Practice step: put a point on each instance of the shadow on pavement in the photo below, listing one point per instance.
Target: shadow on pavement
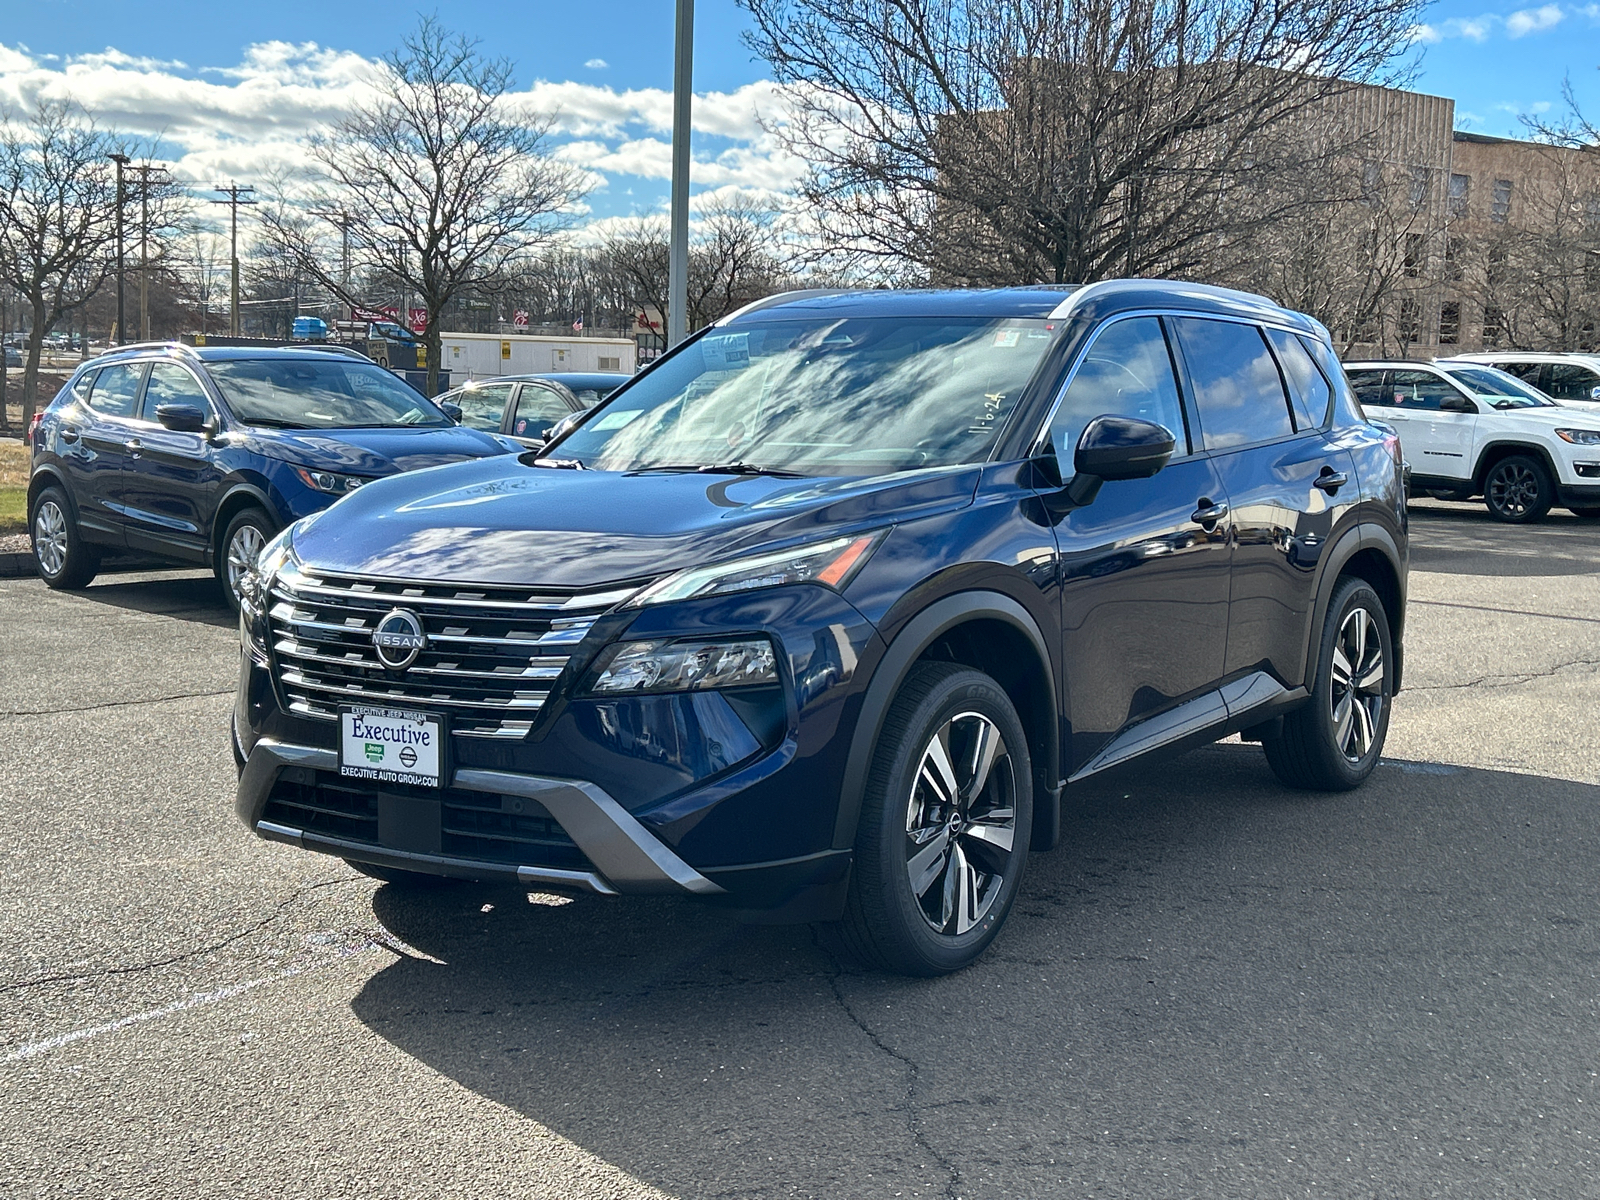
(185, 595)
(1463, 539)
(1214, 986)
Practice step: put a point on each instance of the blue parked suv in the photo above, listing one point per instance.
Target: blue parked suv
(200, 455)
(822, 615)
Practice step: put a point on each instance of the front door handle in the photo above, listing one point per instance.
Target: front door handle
(1331, 481)
(1207, 514)
(134, 447)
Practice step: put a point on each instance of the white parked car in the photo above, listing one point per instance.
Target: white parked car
(1569, 378)
(1523, 453)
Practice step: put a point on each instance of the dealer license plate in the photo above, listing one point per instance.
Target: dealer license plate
(390, 745)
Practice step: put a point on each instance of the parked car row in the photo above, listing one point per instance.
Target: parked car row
(1470, 427)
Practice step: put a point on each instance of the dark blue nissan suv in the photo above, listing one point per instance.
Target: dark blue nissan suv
(821, 616)
(200, 455)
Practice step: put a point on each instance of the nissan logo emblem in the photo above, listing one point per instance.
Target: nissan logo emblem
(398, 639)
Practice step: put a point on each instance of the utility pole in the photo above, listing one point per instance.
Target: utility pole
(121, 160)
(146, 171)
(237, 195)
(678, 246)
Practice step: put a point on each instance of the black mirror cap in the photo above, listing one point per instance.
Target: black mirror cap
(181, 418)
(1458, 404)
(1114, 448)
(451, 410)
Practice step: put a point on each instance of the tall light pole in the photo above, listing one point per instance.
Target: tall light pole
(678, 244)
(237, 195)
(121, 160)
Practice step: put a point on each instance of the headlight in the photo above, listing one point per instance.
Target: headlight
(832, 563)
(668, 666)
(327, 481)
(257, 580)
(1580, 437)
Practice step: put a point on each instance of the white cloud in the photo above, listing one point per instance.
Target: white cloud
(597, 64)
(1534, 20)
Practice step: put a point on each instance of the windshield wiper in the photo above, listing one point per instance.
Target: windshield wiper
(732, 468)
(277, 423)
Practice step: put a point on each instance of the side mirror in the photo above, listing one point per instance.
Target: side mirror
(451, 410)
(562, 427)
(1594, 393)
(1457, 404)
(181, 418)
(1115, 448)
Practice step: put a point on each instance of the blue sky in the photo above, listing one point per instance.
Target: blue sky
(233, 97)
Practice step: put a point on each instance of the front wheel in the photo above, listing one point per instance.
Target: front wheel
(1518, 490)
(64, 559)
(242, 542)
(1333, 741)
(945, 822)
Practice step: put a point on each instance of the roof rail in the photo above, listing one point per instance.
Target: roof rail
(782, 298)
(174, 345)
(328, 348)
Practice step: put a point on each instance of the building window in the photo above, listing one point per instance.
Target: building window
(1500, 207)
(1591, 272)
(1494, 325)
(1449, 323)
(1371, 182)
(1416, 255)
(1591, 211)
(1366, 329)
(1452, 259)
(1410, 320)
(1460, 187)
(1421, 185)
(1496, 273)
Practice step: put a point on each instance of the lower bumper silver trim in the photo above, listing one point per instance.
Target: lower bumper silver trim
(627, 856)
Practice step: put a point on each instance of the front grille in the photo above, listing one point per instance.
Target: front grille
(493, 653)
(479, 826)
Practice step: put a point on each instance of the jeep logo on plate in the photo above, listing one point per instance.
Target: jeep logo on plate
(398, 639)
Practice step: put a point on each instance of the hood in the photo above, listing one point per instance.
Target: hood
(500, 521)
(371, 452)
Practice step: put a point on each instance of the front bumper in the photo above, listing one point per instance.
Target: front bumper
(625, 856)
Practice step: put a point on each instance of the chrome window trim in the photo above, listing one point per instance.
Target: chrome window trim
(1043, 432)
(185, 367)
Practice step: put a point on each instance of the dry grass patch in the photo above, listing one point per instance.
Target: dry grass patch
(13, 486)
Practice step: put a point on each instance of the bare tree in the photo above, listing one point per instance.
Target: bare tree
(57, 218)
(1009, 141)
(435, 183)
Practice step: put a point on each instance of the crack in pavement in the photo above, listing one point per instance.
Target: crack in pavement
(1499, 681)
(913, 1074)
(110, 972)
(46, 712)
(1509, 612)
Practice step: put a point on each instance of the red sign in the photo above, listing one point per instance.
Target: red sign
(519, 319)
(419, 320)
(374, 314)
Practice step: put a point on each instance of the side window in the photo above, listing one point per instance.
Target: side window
(1369, 389)
(482, 407)
(116, 389)
(1526, 371)
(169, 384)
(80, 387)
(1568, 381)
(538, 408)
(1126, 372)
(1237, 386)
(1308, 390)
(1420, 390)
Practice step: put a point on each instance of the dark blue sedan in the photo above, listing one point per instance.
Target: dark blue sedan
(199, 455)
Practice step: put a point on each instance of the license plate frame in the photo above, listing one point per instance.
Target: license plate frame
(376, 742)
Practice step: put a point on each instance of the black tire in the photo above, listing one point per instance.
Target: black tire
(411, 880)
(63, 558)
(1587, 512)
(886, 925)
(249, 526)
(1518, 490)
(1311, 751)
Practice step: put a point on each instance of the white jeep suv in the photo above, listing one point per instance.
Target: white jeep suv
(1468, 431)
(1569, 378)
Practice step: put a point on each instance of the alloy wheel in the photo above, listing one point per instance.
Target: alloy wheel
(243, 550)
(50, 537)
(961, 823)
(1513, 489)
(1356, 691)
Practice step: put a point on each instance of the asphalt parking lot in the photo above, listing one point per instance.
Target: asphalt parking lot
(1214, 988)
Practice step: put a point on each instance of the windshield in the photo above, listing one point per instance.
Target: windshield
(1504, 390)
(819, 396)
(320, 393)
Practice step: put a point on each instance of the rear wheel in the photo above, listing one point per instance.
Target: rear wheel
(64, 559)
(943, 837)
(1518, 490)
(1333, 742)
(247, 533)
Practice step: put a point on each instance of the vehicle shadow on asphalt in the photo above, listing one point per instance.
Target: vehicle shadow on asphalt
(186, 595)
(1461, 539)
(1212, 973)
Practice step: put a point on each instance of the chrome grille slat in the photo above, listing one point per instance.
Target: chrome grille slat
(491, 658)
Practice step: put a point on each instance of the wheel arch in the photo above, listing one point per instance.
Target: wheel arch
(1368, 552)
(993, 633)
(1495, 451)
(240, 496)
(45, 476)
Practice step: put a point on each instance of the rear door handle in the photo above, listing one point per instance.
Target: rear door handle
(1331, 481)
(1208, 514)
(69, 433)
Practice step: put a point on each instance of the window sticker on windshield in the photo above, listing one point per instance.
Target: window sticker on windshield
(617, 418)
(726, 350)
(1007, 337)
